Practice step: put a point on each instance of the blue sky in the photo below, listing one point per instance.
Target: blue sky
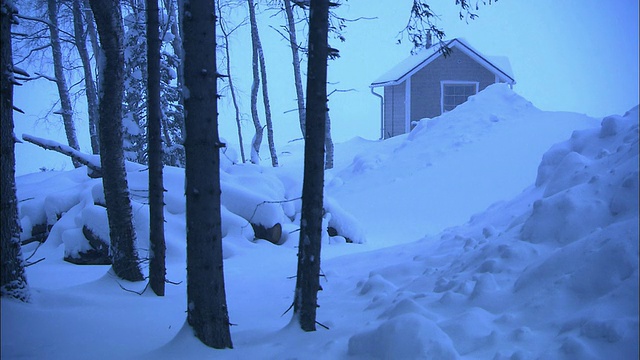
(566, 57)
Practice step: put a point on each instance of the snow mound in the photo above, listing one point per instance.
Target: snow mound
(407, 336)
(552, 273)
(62, 206)
(452, 166)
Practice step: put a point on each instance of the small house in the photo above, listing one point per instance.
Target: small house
(429, 83)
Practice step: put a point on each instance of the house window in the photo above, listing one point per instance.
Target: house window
(454, 93)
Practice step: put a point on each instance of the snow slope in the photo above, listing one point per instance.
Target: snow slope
(548, 272)
(453, 166)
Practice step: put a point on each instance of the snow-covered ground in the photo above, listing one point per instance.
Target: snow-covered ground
(494, 231)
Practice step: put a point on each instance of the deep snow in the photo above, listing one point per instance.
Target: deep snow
(550, 270)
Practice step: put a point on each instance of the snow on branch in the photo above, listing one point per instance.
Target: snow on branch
(90, 161)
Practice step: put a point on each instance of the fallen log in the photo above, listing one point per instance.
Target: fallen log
(92, 162)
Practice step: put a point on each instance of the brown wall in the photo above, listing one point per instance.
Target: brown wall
(425, 84)
(425, 89)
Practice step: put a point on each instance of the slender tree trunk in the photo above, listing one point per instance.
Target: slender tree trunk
(61, 81)
(121, 231)
(255, 37)
(232, 89)
(328, 144)
(257, 138)
(308, 277)
(207, 305)
(13, 282)
(95, 45)
(157, 245)
(90, 86)
(297, 75)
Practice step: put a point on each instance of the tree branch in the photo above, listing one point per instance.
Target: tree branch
(89, 161)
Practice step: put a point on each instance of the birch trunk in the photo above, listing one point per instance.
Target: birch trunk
(257, 138)
(80, 36)
(95, 44)
(232, 89)
(295, 53)
(61, 81)
(255, 37)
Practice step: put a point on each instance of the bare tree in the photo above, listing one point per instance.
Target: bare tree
(13, 282)
(257, 45)
(60, 78)
(295, 55)
(108, 18)
(157, 247)
(226, 33)
(207, 305)
(308, 275)
(80, 37)
(256, 142)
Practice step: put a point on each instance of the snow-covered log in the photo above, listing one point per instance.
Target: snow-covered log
(90, 161)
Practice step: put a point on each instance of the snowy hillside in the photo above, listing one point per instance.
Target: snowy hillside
(550, 270)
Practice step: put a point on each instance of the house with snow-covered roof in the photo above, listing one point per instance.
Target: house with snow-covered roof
(429, 83)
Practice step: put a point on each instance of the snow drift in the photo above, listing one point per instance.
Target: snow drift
(548, 272)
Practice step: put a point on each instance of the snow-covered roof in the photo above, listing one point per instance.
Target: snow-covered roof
(499, 65)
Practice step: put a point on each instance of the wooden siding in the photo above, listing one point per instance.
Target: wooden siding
(394, 110)
(425, 84)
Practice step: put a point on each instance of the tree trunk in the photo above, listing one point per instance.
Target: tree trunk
(157, 245)
(328, 144)
(13, 282)
(308, 276)
(122, 233)
(297, 75)
(61, 81)
(255, 37)
(257, 138)
(232, 88)
(80, 37)
(207, 305)
(95, 46)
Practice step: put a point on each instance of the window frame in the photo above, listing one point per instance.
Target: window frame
(443, 83)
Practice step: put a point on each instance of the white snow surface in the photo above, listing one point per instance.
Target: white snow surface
(496, 231)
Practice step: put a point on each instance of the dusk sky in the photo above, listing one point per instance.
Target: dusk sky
(565, 57)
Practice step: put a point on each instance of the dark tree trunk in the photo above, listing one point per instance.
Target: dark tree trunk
(295, 53)
(61, 81)
(157, 245)
(308, 277)
(110, 29)
(80, 36)
(13, 282)
(207, 305)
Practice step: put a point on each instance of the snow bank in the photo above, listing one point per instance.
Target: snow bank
(450, 167)
(251, 196)
(555, 278)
